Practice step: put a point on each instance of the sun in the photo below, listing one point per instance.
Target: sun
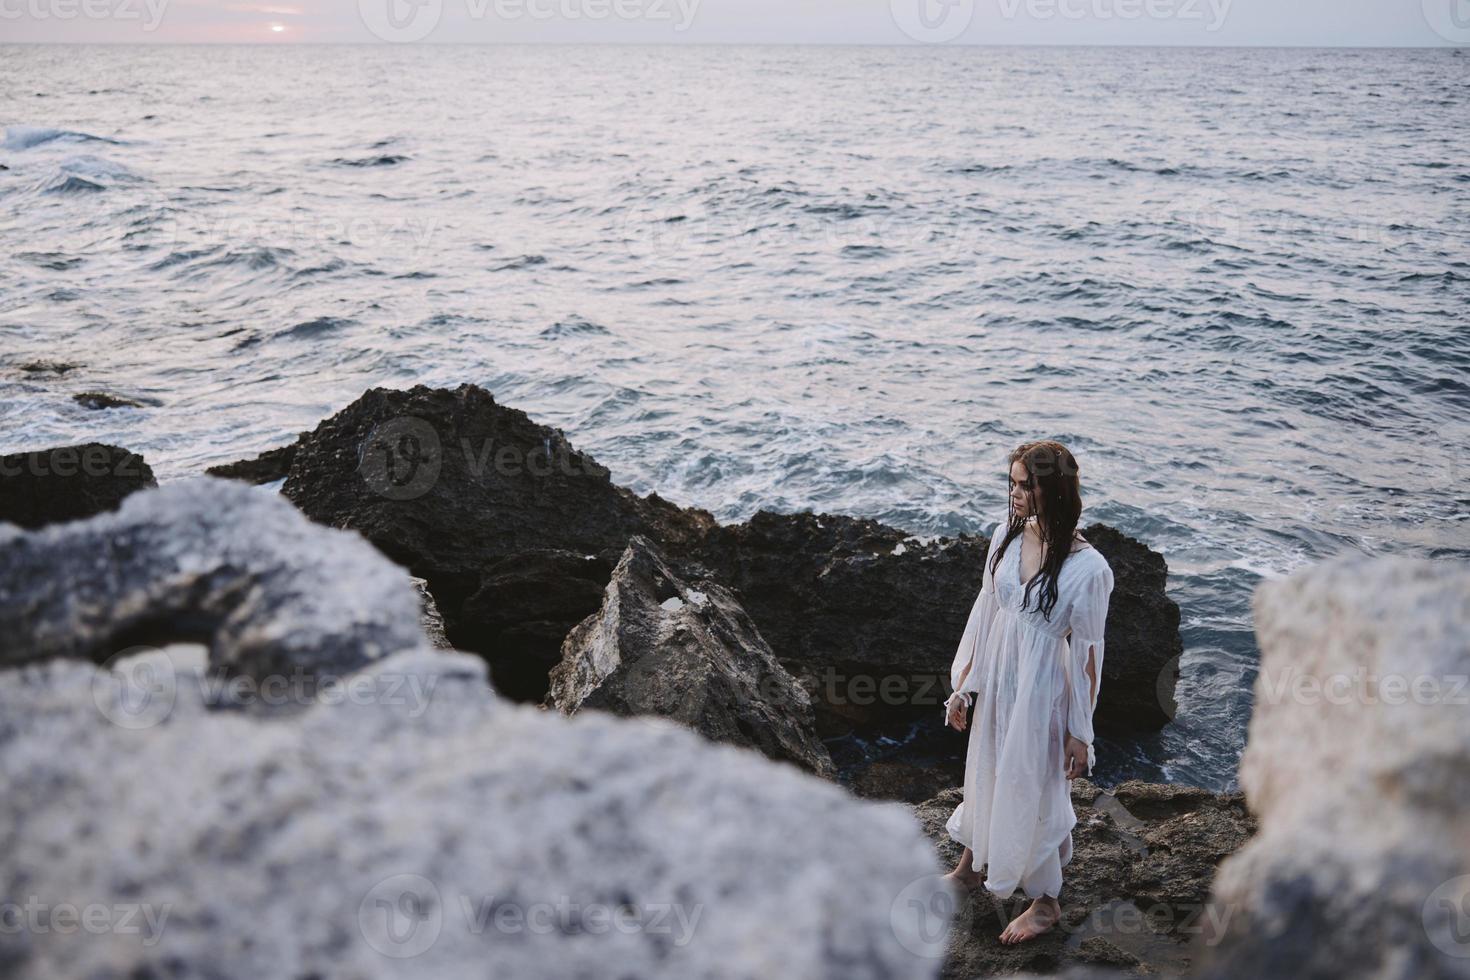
(277, 28)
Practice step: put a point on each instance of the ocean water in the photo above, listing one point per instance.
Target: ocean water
(1235, 282)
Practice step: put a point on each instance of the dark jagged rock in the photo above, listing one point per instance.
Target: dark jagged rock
(1141, 665)
(522, 611)
(900, 779)
(686, 651)
(869, 618)
(68, 483)
(1134, 896)
(98, 400)
(450, 484)
(515, 531)
(47, 367)
(269, 466)
(203, 560)
(866, 617)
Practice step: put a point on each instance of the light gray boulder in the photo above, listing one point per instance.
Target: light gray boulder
(687, 651)
(1358, 767)
(423, 827)
(203, 560)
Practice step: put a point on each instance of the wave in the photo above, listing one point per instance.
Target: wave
(26, 137)
(317, 327)
(72, 184)
(381, 160)
(575, 327)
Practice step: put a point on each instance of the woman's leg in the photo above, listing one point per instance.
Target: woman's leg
(965, 873)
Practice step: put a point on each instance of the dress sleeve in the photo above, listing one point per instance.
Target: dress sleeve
(1088, 622)
(976, 629)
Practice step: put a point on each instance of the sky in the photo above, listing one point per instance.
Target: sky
(919, 22)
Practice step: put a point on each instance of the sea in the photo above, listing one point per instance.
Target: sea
(1234, 281)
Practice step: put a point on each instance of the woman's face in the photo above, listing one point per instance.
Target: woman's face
(1023, 491)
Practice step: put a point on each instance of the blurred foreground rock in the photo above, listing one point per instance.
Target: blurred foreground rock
(203, 560)
(421, 826)
(403, 821)
(1358, 767)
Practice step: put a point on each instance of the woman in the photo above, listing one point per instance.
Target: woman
(1031, 656)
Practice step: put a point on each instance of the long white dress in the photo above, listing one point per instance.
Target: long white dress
(1030, 685)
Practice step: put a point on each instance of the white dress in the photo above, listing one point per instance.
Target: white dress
(1030, 685)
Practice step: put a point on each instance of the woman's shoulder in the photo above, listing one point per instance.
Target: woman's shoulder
(1088, 559)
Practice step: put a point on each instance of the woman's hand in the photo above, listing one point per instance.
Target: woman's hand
(1076, 757)
(958, 712)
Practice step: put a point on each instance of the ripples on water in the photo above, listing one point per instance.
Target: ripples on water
(1233, 281)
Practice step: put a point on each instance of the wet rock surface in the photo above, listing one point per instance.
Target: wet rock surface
(1134, 896)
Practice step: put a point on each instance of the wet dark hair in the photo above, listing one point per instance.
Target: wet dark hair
(1052, 470)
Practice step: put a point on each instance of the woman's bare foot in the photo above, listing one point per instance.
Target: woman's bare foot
(964, 873)
(968, 880)
(1041, 916)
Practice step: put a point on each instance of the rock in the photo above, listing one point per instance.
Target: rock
(203, 560)
(68, 483)
(869, 618)
(1134, 895)
(686, 651)
(863, 615)
(515, 532)
(98, 400)
(454, 834)
(429, 618)
(48, 367)
(523, 610)
(1357, 764)
(450, 483)
(906, 780)
(269, 466)
(1141, 665)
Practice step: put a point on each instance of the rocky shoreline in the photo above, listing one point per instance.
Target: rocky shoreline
(439, 540)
